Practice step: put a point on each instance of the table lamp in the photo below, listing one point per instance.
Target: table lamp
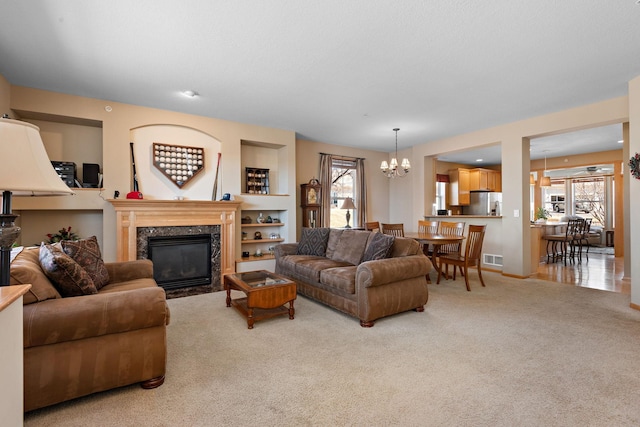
(25, 170)
(348, 204)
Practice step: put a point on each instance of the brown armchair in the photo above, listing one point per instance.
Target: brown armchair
(75, 346)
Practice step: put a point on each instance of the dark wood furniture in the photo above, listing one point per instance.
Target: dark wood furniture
(311, 204)
(266, 294)
(561, 246)
(257, 180)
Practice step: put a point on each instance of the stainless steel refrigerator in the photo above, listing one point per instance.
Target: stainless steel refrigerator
(484, 203)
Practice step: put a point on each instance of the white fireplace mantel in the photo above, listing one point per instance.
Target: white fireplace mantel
(132, 214)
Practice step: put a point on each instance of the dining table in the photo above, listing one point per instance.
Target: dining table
(435, 240)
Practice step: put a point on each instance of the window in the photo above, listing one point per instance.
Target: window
(343, 179)
(441, 192)
(442, 182)
(590, 199)
(554, 198)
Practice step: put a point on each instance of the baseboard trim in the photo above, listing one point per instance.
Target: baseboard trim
(515, 276)
(634, 306)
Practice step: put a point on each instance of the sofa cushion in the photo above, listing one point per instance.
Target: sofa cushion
(332, 243)
(405, 246)
(311, 266)
(86, 252)
(26, 269)
(341, 278)
(313, 241)
(379, 247)
(351, 246)
(67, 275)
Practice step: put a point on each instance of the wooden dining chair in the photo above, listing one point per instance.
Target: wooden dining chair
(396, 230)
(372, 226)
(471, 257)
(451, 228)
(428, 227)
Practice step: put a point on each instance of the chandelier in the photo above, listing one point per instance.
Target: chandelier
(391, 170)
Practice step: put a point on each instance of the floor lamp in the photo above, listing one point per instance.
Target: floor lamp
(348, 204)
(25, 170)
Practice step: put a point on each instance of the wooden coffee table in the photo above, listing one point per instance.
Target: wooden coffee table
(266, 294)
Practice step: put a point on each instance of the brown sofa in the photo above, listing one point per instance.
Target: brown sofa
(76, 346)
(345, 278)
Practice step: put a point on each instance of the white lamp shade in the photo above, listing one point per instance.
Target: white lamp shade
(348, 204)
(406, 164)
(25, 168)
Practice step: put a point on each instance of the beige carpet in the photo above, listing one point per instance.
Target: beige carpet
(519, 352)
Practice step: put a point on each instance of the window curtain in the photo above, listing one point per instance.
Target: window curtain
(360, 194)
(325, 181)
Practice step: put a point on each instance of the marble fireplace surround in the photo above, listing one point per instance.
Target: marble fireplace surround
(132, 214)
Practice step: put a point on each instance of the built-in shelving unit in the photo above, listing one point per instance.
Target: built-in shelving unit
(73, 140)
(271, 234)
(265, 183)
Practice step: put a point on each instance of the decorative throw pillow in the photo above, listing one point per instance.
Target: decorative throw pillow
(351, 246)
(86, 252)
(379, 247)
(67, 276)
(313, 241)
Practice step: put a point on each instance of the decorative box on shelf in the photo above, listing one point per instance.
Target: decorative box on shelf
(257, 180)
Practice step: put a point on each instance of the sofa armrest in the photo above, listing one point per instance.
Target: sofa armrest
(285, 249)
(129, 270)
(76, 318)
(389, 270)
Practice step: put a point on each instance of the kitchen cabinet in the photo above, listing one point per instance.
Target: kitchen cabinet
(485, 180)
(459, 187)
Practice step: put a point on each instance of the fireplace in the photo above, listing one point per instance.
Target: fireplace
(184, 256)
(181, 261)
(134, 215)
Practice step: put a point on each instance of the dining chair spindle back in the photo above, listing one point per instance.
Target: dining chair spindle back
(396, 230)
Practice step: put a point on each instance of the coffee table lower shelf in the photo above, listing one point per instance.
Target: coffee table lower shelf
(254, 314)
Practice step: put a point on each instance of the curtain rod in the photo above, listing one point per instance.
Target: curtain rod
(343, 157)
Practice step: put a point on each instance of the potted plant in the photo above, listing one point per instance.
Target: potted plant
(541, 214)
(63, 234)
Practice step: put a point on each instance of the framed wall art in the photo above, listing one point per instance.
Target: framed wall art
(180, 164)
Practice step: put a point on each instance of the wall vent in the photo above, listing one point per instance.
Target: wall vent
(490, 259)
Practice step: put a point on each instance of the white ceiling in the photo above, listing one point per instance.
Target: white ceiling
(335, 71)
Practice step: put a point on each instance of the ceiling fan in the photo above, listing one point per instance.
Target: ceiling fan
(593, 170)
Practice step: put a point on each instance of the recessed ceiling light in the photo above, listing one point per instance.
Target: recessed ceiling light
(479, 160)
(190, 93)
(622, 140)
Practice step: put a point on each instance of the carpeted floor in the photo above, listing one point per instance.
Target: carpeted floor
(518, 352)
